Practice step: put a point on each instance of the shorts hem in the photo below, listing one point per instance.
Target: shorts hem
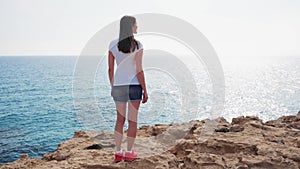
(135, 100)
(121, 101)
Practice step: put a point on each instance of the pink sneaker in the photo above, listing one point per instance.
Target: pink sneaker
(130, 156)
(118, 157)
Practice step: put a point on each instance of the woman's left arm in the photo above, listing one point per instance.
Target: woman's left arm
(111, 64)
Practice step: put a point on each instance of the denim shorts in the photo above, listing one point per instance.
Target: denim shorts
(127, 93)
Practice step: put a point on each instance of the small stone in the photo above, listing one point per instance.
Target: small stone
(222, 129)
(94, 146)
(277, 141)
(24, 156)
(80, 133)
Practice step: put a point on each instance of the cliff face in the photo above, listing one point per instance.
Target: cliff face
(244, 143)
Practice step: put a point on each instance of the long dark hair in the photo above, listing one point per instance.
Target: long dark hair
(127, 43)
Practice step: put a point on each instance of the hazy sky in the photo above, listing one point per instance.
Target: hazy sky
(234, 27)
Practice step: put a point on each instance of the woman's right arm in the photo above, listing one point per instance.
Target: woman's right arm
(140, 74)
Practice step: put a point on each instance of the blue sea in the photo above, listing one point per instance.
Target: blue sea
(37, 106)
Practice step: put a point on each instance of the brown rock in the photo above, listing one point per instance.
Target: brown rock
(159, 129)
(291, 121)
(236, 128)
(78, 134)
(295, 125)
(243, 120)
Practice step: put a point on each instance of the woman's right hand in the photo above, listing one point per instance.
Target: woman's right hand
(145, 97)
(111, 92)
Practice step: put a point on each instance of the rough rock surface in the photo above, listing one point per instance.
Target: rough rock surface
(244, 143)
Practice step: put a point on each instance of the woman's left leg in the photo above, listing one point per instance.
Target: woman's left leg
(133, 108)
(121, 116)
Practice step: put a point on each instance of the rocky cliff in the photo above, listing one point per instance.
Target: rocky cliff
(246, 142)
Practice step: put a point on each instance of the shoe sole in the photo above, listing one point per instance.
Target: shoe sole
(130, 159)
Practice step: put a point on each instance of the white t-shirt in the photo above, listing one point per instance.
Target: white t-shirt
(126, 67)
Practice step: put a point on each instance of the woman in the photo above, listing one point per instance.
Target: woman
(127, 84)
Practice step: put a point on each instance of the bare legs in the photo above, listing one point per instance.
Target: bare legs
(133, 108)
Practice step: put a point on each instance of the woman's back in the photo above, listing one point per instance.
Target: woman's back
(126, 66)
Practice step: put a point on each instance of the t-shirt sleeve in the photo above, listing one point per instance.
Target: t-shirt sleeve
(140, 46)
(111, 46)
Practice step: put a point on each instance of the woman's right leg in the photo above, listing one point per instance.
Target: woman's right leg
(121, 116)
(133, 108)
